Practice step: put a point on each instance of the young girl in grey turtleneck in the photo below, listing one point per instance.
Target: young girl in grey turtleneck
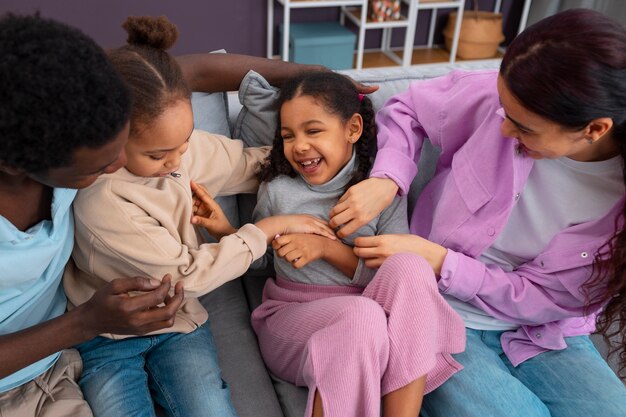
(351, 334)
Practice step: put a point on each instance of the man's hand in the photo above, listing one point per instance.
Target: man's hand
(113, 310)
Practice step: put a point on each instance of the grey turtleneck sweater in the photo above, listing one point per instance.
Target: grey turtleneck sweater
(285, 195)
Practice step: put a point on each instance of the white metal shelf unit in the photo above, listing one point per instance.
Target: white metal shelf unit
(299, 4)
(358, 16)
(410, 23)
(434, 6)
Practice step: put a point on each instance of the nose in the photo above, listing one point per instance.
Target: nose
(507, 129)
(173, 161)
(301, 144)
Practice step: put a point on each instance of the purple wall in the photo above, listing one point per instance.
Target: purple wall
(239, 26)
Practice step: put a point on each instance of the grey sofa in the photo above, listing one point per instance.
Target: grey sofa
(255, 392)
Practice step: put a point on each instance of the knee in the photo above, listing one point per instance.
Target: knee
(366, 323)
(408, 269)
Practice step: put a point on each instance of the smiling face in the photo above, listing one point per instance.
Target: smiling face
(87, 164)
(316, 143)
(155, 150)
(539, 137)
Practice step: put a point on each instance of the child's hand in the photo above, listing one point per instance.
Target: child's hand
(294, 223)
(300, 249)
(208, 214)
(306, 223)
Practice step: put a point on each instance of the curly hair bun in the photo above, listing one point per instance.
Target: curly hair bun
(155, 32)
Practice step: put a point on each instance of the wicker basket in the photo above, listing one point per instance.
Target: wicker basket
(480, 35)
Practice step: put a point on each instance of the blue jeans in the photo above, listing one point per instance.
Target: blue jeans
(180, 371)
(574, 382)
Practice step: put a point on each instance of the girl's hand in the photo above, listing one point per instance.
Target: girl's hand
(299, 249)
(361, 203)
(294, 223)
(208, 214)
(375, 249)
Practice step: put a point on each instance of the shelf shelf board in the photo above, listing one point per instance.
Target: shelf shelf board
(354, 14)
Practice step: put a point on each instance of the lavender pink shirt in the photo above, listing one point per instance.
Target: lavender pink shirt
(467, 204)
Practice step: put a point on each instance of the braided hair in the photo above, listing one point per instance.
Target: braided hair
(341, 98)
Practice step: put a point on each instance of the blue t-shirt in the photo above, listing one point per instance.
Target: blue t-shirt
(31, 268)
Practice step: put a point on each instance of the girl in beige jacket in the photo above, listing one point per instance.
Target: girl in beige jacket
(137, 221)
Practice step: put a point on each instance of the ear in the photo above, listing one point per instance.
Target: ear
(597, 128)
(354, 128)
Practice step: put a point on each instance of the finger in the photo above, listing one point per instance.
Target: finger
(340, 219)
(349, 227)
(292, 254)
(366, 89)
(285, 249)
(374, 262)
(367, 241)
(202, 221)
(202, 194)
(125, 285)
(175, 301)
(326, 231)
(367, 253)
(149, 299)
(277, 244)
(299, 262)
(339, 208)
(178, 288)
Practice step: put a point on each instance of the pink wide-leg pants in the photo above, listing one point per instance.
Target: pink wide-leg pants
(355, 345)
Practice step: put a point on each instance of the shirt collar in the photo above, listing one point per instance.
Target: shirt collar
(62, 199)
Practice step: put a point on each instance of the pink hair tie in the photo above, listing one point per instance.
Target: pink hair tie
(361, 96)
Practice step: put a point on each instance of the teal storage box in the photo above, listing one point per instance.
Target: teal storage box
(326, 43)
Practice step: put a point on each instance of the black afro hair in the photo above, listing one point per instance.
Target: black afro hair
(58, 93)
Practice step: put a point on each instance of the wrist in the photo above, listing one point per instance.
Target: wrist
(438, 257)
(268, 226)
(82, 319)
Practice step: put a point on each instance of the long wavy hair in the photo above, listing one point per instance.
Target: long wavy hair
(340, 97)
(571, 69)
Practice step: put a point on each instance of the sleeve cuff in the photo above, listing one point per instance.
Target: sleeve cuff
(395, 165)
(466, 287)
(255, 239)
(363, 275)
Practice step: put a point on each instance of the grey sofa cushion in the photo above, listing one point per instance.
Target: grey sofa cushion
(256, 122)
(242, 367)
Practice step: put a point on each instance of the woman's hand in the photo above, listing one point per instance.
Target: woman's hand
(294, 223)
(300, 249)
(375, 249)
(113, 310)
(208, 214)
(361, 203)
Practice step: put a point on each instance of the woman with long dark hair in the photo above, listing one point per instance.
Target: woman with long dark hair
(523, 222)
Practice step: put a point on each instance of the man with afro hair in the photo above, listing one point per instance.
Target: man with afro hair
(63, 122)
